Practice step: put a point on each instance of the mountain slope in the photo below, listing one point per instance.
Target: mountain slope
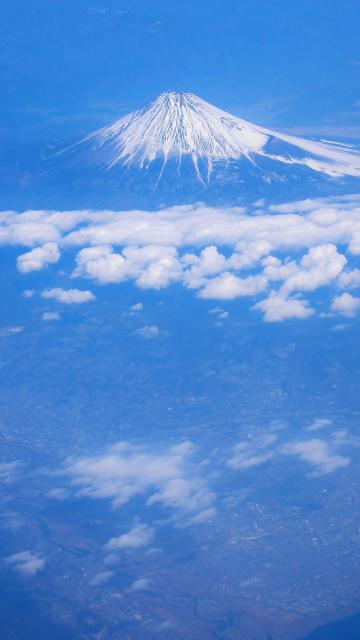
(178, 125)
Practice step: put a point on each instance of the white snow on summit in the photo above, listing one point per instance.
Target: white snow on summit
(181, 124)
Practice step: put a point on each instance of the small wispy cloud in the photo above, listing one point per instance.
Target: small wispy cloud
(11, 331)
(136, 308)
(140, 585)
(8, 470)
(318, 454)
(101, 578)
(147, 332)
(139, 536)
(170, 478)
(319, 423)
(252, 452)
(28, 293)
(50, 316)
(26, 562)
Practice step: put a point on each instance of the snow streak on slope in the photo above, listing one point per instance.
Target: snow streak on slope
(181, 124)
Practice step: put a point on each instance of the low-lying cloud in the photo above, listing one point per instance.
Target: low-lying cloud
(169, 478)
(320, 454)
(275, 258)
(139, 536)
(26, 562)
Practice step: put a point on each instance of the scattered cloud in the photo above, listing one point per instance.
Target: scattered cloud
(319, 423)
(26, 562)
(171, 478)
(140, 585)
(346, 305)
(101, 578)
(147, 332)
(68, 296)
(219, 313)
(321, 454)
(198, 268)
(59, 493)
(8, 470)
(11, 331)
(252, 452)
(318, 267)
(51, 315)
(318, 454)
(38, 258)
(340, 436)
(139, 536)
(101, 264)
(277, 308)
(28, 293)
(350, 279)
(152, 266)
(215, 311)
(227, 286)
(136, 308)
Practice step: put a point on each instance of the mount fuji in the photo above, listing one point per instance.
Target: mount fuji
(180, 148)
(180, 125)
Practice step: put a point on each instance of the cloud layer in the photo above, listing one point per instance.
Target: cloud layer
(275, 256)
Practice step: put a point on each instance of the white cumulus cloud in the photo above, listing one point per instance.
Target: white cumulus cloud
(350, 279)
(346, 304)
(317, 268)
(169, 478)
(38, 258)
(68, 296)
(222, 252)
(277, 308)
(228, 286)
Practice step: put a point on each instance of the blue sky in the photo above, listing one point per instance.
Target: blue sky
(198, 362)
(70, 67)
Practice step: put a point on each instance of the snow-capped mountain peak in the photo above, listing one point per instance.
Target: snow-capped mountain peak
(178, 124)
(175, 125)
